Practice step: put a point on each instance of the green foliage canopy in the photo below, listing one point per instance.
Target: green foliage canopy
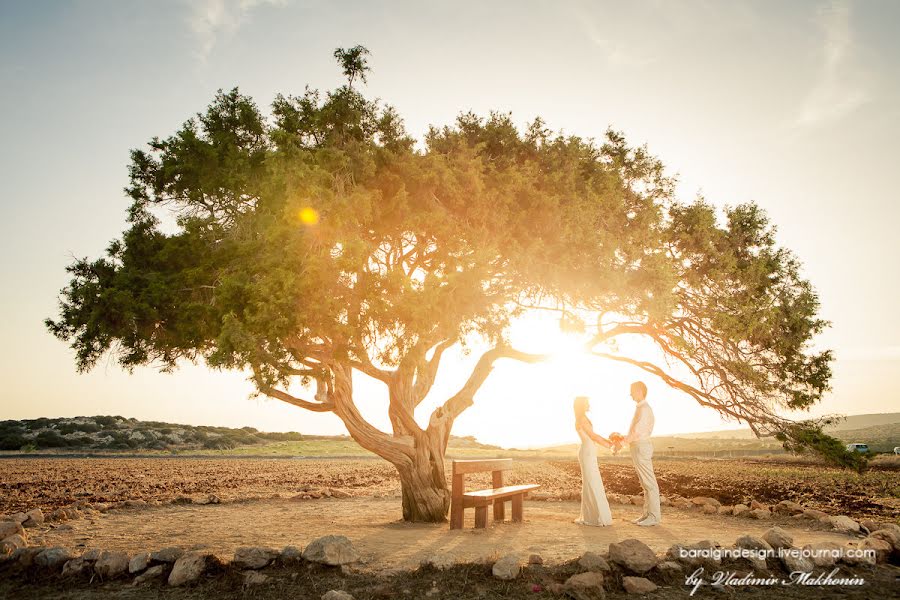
(321, 240)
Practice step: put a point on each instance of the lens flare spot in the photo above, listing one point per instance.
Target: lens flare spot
(308, 215)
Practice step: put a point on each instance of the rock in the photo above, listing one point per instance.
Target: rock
(634, 555)
(92, 555)
(759, 513)
(331, 550)
(188, 568)
(135, 504)
(111, 564)
(823, 554)
(291, 554)
(758, 563)
(34, 518)
(779, 538)
(57, 515)
(753, 543)
(76, 566)
(18, 517)
(754, 505)
(845, 524)
(507, 567)
(787, 507)
(871, 525)
(53, 558)
(154, 572)
(890, 527)
(683, 503)
(336, 595)
(794, 562)
(167, 555)
(669, 566)
(706, 555)
(881, 548)
(12, 543)
(535, 559)
(671, 571)
(25, 556)
(709, 509)
(339, 493)
(139, 562)
(253, 557)
(593, 562)
(888, 535)
(8, 528)
(183, 500)
(740, 510)
(761, 548)
(637, 500)
(584, 586)
(252, 578)
(853, 557)
(705, 501)
(638, 585)
(725, 510)
(440, 561)
(815, 515)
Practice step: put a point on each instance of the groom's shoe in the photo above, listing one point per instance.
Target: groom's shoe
(648, 522)
(639, 519)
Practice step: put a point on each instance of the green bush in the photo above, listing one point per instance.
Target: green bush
(12, 441)
(51, 439)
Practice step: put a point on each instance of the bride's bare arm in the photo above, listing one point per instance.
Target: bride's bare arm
(589, 429)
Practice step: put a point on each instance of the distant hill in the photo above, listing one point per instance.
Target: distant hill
(119, 433)
(852, 422)
(881, 431)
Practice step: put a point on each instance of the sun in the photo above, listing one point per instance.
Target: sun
(530, 405)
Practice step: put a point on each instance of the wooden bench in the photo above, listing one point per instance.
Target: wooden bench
(496, 496)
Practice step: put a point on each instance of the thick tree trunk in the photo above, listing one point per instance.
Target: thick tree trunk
(426, 498)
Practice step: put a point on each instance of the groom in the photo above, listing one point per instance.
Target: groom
(638, 440)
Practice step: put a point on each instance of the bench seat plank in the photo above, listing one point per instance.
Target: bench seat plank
(487, 496)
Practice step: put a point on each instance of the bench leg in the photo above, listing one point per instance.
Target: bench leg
(517, 508)
(480, 517)
(456, 514)
(499, 510)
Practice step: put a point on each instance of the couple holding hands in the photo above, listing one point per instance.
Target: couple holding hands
(594, 505)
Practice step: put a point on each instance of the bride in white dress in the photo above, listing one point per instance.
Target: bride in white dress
(594, 505)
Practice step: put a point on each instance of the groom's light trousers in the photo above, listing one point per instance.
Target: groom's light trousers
(642, 457)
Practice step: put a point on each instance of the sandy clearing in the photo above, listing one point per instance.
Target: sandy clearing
(386, 542)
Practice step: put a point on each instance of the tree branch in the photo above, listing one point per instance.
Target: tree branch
(443, 416)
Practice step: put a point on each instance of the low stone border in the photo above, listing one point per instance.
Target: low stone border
(628, 565)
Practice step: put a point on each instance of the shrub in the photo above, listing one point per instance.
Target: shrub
(12, 441)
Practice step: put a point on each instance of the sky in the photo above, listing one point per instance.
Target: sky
(794, 105)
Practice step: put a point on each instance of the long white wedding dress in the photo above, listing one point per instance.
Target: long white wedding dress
(594, 505)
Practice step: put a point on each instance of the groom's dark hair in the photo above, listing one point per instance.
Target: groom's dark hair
(640, 385)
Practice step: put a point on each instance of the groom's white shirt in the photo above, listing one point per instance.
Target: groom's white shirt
(641, 424)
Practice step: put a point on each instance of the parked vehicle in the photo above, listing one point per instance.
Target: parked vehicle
(861, 448)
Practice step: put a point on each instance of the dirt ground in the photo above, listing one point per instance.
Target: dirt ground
(387, 543)
(49, 483)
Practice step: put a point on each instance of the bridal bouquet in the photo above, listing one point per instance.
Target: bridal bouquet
(617, 440)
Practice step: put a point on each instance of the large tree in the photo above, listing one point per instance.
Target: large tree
(320, 241)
